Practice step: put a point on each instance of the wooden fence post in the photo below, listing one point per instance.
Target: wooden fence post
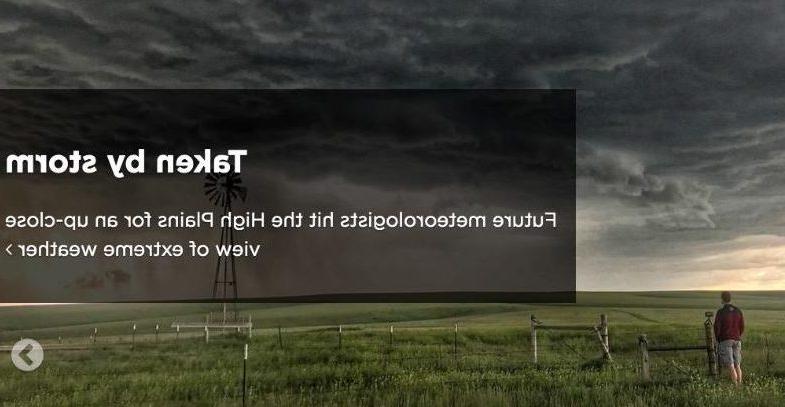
(206, 334)
(534, 338)
(95, 335)
(455, 344)
(245, 363)
(250, 327)
(391, 335)
(606, 353)
(643, 347)
(711, 344)
(133, 335)
(157, 328)
(177, 335)
(604, 335)
(340, 334)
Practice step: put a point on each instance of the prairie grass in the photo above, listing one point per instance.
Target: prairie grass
(488, 365)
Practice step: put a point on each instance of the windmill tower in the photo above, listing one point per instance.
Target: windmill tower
(222, 190)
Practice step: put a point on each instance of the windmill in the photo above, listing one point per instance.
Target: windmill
(222, 190)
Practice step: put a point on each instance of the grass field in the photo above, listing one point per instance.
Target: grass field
(491, 364)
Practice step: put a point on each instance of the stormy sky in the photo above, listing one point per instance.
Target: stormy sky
(679, 127)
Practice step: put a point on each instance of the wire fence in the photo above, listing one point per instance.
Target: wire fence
(445, 348)
(445, 340)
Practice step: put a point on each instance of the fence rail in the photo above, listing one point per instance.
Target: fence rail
(601, 330)
(710, 346)
(568, 341)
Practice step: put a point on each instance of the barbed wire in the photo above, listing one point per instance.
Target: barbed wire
(361, 339)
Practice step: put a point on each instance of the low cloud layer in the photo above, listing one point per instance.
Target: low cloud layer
(668, 203)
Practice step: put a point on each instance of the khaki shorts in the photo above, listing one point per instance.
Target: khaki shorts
(729, 352)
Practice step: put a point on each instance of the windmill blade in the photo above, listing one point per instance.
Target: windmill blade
(217, 197)
(243, 192)
(211, 187)
(222, 189)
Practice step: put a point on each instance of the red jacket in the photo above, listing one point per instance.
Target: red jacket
(729, 323)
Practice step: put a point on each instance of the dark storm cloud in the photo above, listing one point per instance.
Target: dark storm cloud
(343, 44)
(702, 108)
(680, 102)
(676, 203)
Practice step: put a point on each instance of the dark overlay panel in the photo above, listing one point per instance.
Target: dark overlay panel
(287, 196)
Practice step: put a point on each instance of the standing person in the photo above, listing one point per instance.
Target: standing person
(728, 328)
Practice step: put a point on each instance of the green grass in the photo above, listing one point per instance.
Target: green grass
(491, 367)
